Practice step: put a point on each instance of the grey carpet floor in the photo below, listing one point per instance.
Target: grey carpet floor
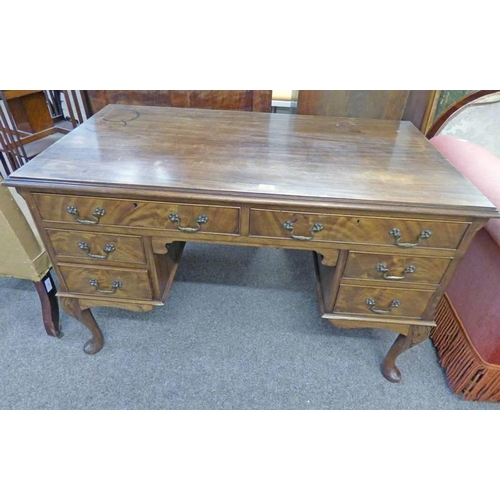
(240, 330)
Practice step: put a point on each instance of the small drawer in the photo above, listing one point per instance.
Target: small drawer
(109, 282)
(395, 268)
(404, 233)
(98, 247)
(179, 217)
(379, 302)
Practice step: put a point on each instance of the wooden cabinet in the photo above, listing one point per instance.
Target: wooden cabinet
(29, 110)
(378, 104)
(243, 100)
(420, 107)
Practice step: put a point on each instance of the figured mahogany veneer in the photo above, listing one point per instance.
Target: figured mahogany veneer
(388, 218)
(356, 229)
(134, 284)
(97, 247)
(138, 213)
(410, 303)
(400, 268)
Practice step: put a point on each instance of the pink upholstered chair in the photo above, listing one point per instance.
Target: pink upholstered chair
(467, 335)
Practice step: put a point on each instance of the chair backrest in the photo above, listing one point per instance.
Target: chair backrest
(77, 104)
(468, 134)
(474, 118)
(379, 104)
(32, 120)
(243, 100)
(69, 108)
(12, 153)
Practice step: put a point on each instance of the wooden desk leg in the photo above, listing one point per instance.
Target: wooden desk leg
(84, 316)
(47, 291)
(402, 343)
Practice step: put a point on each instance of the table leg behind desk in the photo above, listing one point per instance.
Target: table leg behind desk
(328, 277)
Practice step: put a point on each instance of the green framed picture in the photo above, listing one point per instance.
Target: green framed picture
(446, 98)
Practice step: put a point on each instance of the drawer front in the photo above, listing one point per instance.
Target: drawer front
(135, 213)
(116, 283)
(408, 233)
(98, 247)
(395, 268)
(380, 302)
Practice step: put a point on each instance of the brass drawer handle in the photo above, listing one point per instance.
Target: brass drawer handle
(371, 303)
(107, 249)
(396, 233)
(316, 228)
(202, 219)
(385, 270)
(97, 214)
(114, 286)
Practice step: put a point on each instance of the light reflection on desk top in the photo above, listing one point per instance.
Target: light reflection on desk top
(252, 154)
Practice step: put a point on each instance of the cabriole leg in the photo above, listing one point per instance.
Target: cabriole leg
(416, 335)
(84, 316)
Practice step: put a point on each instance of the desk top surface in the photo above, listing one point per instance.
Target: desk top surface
(263, 155)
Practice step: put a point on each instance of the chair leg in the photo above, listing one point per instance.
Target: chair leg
(46, 289)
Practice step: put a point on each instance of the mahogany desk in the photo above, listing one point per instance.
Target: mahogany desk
(388, 218)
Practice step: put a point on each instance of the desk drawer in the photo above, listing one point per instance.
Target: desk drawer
(109, 282)
(98, 247)
(379, 302)
(395, 268)
(408, 233)
(92, 212)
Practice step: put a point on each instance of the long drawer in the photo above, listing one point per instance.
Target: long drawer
(97, 247)
(181, 217)
(107, 282)
(395, 268)
(382, 302)
(407, 233)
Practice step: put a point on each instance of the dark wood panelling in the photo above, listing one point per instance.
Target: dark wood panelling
(243, 100)
(379, 104)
